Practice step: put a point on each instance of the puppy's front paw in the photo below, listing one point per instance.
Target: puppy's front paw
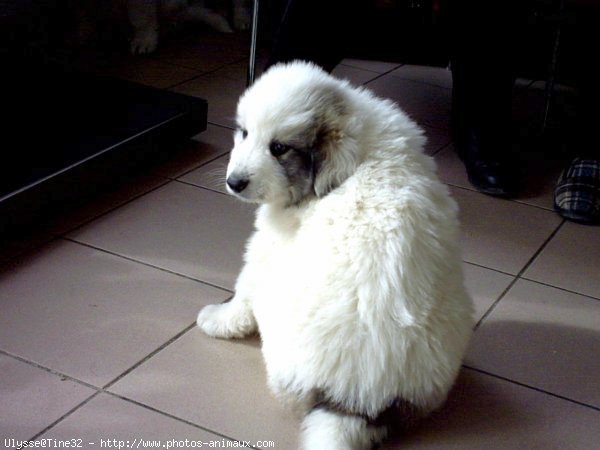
(144, 42)
(228, 320)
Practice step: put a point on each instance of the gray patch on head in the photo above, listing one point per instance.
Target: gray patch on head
(297, 165)
(310, 148)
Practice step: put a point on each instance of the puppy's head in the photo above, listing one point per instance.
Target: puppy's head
(291, 124)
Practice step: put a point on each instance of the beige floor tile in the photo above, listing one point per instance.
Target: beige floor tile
(217, 384)
(485, 413)
(539, 184)
(103, 203)
(373, 66)
(221, 93)
(424, 103)
(437, 139)
(91, 315)
(151, 72)
(202, 148)
(31, 399)
(571, 260)
(451, 170)
(438, 76)
(239, 70)
(541, 174)
(485, 287)
(182, 228)
(205, 52)
(12, 246)
(107, 418)
(211, 176)
(501, 234)
(542, 337)
(354, 75)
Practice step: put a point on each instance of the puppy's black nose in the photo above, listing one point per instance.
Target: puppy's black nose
(237, 184)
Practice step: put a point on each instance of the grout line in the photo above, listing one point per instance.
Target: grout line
(187, 183)
(176, 178)
(64, 416)
(220, 125)
(512, 275)
(411, 80)
(342, 63)
(381, 75)
(104, 390)
(171, 416)
(533, 388)
(440, 149)
(54, 236)
(492, 307)
(148, 356)
(531, 280)
(110, 210)
(163, 269)
(201, 73)
(435, 127)
(542, 247)
(167, 180)
(426, 83)
(47, 369)
(518, 276)
(511, 200)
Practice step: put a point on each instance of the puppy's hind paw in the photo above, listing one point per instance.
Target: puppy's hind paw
(228, 320)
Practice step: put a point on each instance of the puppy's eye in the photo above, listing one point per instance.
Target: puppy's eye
(244, 133)
(278, 149)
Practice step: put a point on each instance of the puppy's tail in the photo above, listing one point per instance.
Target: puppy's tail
(328, 429)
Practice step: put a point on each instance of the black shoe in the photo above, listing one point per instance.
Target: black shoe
(489, 167)
(493, 177)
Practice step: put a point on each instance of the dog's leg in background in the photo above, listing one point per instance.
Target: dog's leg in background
(233, 319)
(242, 15)
(143, 16)
(324, 429)
(198, 13)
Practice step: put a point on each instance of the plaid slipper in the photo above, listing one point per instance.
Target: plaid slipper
(577, 192)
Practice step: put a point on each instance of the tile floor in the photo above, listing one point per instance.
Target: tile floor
(97, 308)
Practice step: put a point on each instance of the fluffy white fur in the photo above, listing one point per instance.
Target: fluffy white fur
(353, 275)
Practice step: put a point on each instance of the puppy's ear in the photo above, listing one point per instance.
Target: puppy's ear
(335, 151)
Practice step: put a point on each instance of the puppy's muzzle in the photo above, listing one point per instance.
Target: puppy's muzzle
(237, 184)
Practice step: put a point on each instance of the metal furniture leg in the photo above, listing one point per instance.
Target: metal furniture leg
(253, 43)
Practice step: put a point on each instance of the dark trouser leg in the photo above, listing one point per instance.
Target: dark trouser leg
(484, 39)
(587, 77)
(577, 192)
(314, 30)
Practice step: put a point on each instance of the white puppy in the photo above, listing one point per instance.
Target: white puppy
(353, 276)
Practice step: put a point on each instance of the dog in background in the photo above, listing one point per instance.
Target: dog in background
(353, 276)
(145, 18)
